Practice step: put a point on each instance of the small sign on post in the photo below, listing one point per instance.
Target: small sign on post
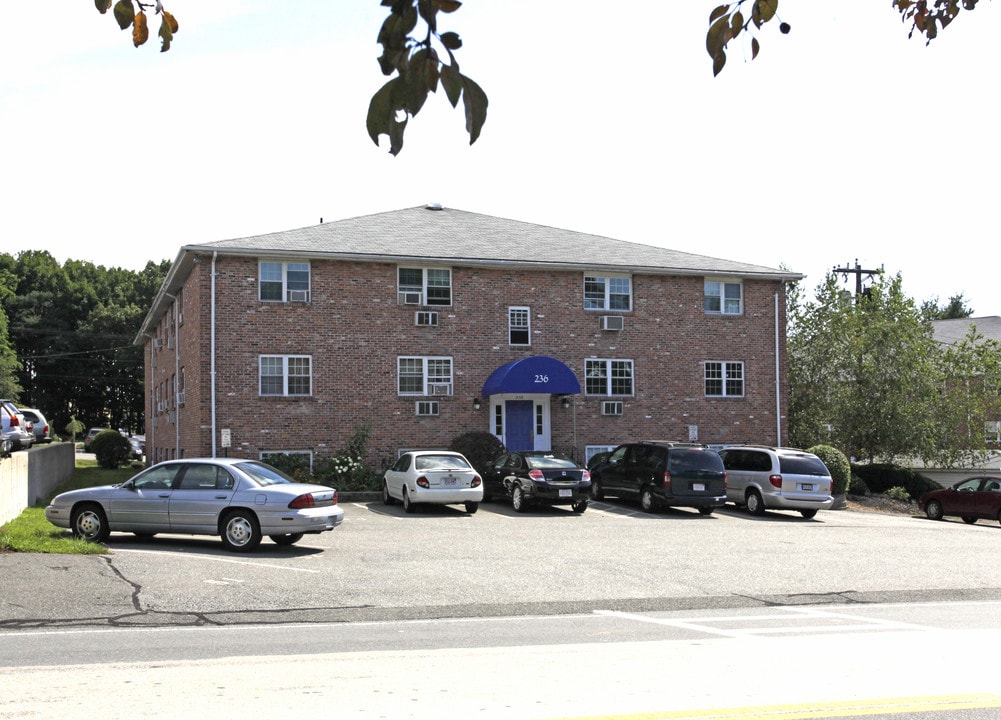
(226, 440)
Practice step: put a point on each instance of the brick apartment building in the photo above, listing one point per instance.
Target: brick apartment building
(425, 323)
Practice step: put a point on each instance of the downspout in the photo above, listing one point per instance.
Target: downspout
(212, 355)
(778, 380)
(177, 370)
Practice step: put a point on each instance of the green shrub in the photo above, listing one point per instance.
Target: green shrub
(898, 493)
(880, 477)
(480, 448)
(111, 448)
(857, 486)
(837, 463)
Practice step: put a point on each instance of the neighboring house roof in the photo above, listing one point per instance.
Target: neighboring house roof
(431, 234)
(950, 332)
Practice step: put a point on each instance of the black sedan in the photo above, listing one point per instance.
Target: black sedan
(537, 478)
(972, 499)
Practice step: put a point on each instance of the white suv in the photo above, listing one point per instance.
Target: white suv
(771, 478)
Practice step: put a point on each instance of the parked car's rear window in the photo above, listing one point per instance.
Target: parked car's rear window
(441, 462)
(548, 462)
(693, 461)
(264, 474)
(801, 465)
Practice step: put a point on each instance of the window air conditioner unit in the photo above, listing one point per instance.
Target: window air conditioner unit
(440, 388)
(410, 298)
(426, 318)
(611, 407)
(426, 408)
(612, 322)
(157, 343)
(180, 398)
(170, 343)
(298, 295)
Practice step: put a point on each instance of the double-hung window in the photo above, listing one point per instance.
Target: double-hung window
(286, 375)
(519, 326)
(283, 281)
(424, 375)
(723, 297)
(724, 379)
(608, 293)
(608, 377)
(424, 286)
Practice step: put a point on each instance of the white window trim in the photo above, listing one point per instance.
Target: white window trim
(992, 431)
(723, 282)
(286, 293)
(724, 367)
(285, 375)
(401, 289)
(427, 385)
(527, 328)
(606, 303)
(608, 377)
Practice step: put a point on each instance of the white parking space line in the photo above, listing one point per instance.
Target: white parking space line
(794, 620)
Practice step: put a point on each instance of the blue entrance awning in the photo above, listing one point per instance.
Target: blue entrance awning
(539, 374)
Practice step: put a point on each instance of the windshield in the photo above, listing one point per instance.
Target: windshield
(264, 474)
(544, 462)
(441, 462)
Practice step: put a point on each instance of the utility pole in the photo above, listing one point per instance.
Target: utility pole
(858, 272)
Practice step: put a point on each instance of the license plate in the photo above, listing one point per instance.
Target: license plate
(449, 482)
(808, 487)
(699, 487)
(566, 493)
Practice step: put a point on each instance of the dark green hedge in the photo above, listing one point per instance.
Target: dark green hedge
(880, 477)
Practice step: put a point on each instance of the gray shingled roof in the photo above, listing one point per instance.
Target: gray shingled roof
(470, 238)
(949, 332)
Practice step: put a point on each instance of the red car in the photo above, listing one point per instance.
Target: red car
(971, 499)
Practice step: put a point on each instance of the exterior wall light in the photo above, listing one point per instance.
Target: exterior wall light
(476, 403)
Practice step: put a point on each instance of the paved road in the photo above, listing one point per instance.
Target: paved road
(384, 564)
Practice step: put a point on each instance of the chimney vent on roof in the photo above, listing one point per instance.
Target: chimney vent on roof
(434, 206)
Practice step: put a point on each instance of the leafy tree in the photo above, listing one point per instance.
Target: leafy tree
(869, 378)
(417, 62)
(747, 17)
(956, 308)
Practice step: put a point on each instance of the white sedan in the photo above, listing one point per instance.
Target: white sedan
(432, 476)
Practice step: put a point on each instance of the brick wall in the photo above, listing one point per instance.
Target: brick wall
(354, 329)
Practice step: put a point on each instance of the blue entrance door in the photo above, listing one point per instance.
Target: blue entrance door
(520, 425)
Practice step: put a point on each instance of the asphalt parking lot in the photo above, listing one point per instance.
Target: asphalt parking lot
(442, 562)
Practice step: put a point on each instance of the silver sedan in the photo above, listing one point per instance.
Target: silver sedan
(239, 500)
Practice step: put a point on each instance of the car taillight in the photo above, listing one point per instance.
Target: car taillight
(666, 482)
(337, 496)
(585, 475)
(725, 486)
(14, 422)
(423, 482)
(776, 481)
(476, 481)
(536, 475)
(303, 501)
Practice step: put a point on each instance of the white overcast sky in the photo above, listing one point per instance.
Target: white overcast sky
(843, 140)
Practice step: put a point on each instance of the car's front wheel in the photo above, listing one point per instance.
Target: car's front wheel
(290, 539)
(755, 505)
(597, 493)
(934, 510)
(518, 501)
(90, 524)
(241, 531)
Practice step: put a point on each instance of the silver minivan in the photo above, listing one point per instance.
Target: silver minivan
(773, 478)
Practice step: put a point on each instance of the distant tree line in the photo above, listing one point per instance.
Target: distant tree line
(66, 334)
